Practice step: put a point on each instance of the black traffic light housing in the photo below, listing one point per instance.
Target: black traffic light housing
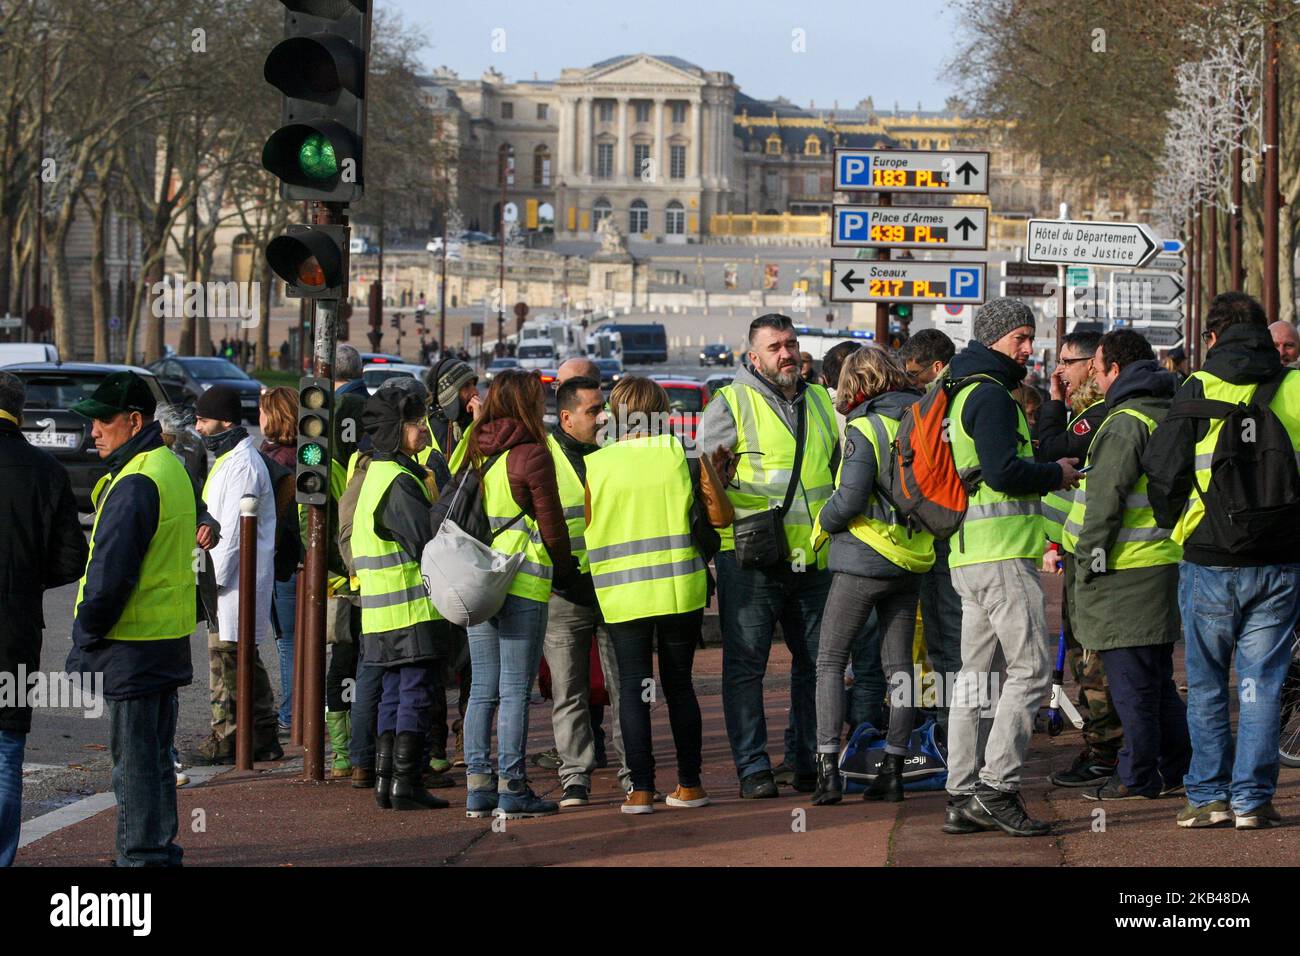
(315, 403)
(320, 67)
(311, 260)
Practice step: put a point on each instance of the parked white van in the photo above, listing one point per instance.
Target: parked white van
(13, 353)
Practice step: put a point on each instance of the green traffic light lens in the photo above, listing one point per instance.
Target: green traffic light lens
(316, 157)
(311, 455)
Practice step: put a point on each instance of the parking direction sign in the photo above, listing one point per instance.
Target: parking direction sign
(855, 280)
(1155, 288)
(1161, 336)
(911, 227)
(1130, 244)
(911, 171)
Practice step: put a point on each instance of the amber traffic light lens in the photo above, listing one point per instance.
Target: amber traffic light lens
(310, 273)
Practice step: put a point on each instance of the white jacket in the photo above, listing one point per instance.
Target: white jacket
(240, 472)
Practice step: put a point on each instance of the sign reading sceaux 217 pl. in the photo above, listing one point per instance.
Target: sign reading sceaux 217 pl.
(911, 171)
(862, 280)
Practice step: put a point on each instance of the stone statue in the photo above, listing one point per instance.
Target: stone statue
(611, 238)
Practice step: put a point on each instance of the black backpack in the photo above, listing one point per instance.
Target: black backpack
(1253, 496)
(462, 501)
(288, 542)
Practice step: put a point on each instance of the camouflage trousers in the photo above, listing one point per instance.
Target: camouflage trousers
(222, 670)
(1102, 732)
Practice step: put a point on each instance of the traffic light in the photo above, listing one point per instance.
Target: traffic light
(315, 401)
(901, 311)
(311, 260)
(320, 67)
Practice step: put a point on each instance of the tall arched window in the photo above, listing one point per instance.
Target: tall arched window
(812, 146)
(542, 166)
(638, 220)
(675, 219)
(601, 210)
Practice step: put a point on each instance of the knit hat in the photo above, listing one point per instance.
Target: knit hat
(997, 317)
(446, 381)
(220, 403)
(385, 413)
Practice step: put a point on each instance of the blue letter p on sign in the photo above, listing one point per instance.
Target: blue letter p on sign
(854, 166)
(853, 225)
(965, 283)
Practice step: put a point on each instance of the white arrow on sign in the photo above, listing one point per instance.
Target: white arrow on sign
(910, 171)
(1162, 336)
(1168, 263)
(1130, 244)
(911, 227)
(857, 280)
(1155, 288)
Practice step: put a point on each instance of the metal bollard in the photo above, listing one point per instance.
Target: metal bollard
(247, 629)
(295, 733)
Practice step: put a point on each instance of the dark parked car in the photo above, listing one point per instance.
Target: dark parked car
(48, 423)
(717, 353)
(193, 375)
(611, 370)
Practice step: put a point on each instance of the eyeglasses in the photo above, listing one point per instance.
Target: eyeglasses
(1072, 361)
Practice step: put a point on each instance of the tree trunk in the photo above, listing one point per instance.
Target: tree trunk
(61, 297)
(1286, 264)
(99, 211)
(264, 315)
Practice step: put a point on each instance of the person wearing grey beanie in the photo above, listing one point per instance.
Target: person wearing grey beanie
(994, 567)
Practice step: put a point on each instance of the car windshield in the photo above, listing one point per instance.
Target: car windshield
(685, 399)
(608, 365)
(536, 351)
(504, 363)
(59, 391)
(206, 369)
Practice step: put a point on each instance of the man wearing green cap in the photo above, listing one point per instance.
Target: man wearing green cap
(135, 610)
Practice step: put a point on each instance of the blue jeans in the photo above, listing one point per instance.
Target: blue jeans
(505, 653)
(144, 779)
(284, 617)
(1252, 611)
(365, 714)
(12, 747)
(751, 605)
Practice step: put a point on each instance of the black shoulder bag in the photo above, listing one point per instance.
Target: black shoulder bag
(760, 538)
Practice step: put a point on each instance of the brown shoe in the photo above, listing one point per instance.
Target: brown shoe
(433, 780)
(363, 778)
(214, 752)
(339, 774)
(688, 797)
(639, 801)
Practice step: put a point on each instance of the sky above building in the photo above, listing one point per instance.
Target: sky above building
(821, 52)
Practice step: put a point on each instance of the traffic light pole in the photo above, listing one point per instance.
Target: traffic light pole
(314, 568)
(882, 308)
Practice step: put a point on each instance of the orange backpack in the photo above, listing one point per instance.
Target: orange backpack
(923, 483)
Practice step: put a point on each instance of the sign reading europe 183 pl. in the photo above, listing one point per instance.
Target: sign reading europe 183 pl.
(911, 227)
(911, 171)
(1090, 243)
(861, 280)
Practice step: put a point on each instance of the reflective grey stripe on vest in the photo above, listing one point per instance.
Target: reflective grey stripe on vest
(577, 511)
(644, 546)
(1055, 514)
(749, 422)
(1203, 461)
(536, 570)
(816, 494)
(393, 598)
(1142, 534)
(1003, 509)
(379, 562)
(634, 575)
(1136, 501)
(578, 544)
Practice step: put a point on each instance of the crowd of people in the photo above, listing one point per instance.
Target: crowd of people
(1125, 480)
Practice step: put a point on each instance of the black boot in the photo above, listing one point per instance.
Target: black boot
(888, 784)
(408, 787)
(384, 770)
(829, 788)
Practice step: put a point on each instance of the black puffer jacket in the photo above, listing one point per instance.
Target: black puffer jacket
(42, 546)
